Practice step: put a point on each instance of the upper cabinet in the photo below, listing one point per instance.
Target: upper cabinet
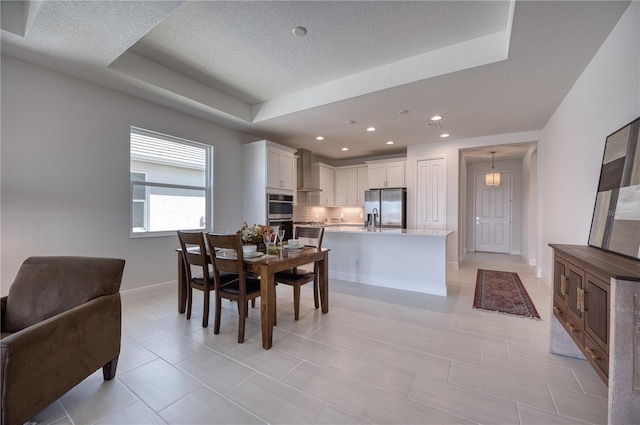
(267, 168)
(350, 184)
(323, 178)
(281, 166)
(383, 174)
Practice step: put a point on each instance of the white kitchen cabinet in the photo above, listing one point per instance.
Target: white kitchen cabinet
(323, 178)
(280, 168)
(350, 184)
(267, 168)
(384, 174)
(363, 184)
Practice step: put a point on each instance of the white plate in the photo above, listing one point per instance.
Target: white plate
(254, 254)
(294, 247)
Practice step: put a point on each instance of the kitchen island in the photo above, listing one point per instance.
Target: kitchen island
(408, 259)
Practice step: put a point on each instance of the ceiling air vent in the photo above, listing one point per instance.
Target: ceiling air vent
(433, 125)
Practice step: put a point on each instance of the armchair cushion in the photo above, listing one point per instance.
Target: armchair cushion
(47, 286)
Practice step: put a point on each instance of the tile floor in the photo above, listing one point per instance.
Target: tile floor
(380, 356)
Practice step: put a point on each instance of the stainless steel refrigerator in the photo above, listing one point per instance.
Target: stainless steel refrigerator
(390, 205)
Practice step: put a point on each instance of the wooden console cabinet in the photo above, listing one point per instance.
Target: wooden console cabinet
(582, 297)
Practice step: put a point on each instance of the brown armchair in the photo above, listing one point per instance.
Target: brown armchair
(61, 321)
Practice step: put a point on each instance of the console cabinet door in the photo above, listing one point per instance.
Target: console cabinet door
(560, 280)
(575, 288)
(596, 314)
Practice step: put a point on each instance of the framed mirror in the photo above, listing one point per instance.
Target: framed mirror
(615, 225)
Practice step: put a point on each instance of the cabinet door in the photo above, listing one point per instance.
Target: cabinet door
(396, 174)
(560, 280)
(351, 186)
(287, 171)
(378, 176)
(596, 310)
(363, 184)
(273, 168)
(326, 184)
(575, 287)
(340, 194)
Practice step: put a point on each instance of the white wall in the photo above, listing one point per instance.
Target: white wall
(65, 172)
(530, 207)
(456, 189)
(604, 98)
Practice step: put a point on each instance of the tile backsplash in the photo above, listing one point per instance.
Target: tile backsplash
(346, 214)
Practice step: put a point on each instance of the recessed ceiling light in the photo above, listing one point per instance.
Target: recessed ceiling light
(300, 31)
(345, 149)
(371, 129)
(444, 135)
(350, 122)
(319, 138)
(403, 111)
(436, 118)
(390, 142)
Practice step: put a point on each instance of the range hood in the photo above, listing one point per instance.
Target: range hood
(304, 171)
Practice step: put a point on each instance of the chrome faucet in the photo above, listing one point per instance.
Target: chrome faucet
(374, 217)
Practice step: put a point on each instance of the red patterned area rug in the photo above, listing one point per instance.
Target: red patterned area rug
(503, 292)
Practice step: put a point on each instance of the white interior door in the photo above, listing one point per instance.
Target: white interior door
(431, 196)
(493, 215)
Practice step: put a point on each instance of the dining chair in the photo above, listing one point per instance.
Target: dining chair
(194, 254)
(242, 289)
(296, 276)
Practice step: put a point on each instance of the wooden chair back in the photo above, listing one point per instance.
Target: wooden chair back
(314, 234)
(227, 263)
(194, 253)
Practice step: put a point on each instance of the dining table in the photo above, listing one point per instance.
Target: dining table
(266, 266)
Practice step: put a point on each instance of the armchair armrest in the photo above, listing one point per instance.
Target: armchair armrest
(40, 363)
(3, 304)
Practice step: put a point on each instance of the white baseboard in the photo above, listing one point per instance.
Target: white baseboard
(131, 294)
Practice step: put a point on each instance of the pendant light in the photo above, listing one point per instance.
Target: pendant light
(492, 178)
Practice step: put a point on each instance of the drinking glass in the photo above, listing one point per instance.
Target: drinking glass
(281, 235)
(270, 241)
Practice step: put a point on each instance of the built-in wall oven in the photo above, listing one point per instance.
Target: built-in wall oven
(280, 212)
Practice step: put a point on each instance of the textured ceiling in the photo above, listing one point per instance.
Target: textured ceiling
(488, 67)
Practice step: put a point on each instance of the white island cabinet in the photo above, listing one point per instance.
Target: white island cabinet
(408, 259)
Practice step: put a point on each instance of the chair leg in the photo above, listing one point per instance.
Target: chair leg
(316, 293)
(205, 313)
(109, 370)
(253, 303)
(246, 309)
(189, 302)
(296, 301)
(242, 305)
(216, 325)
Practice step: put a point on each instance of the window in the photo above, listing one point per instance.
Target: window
(171, 184)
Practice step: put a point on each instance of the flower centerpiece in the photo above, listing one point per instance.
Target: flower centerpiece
(253, 234)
